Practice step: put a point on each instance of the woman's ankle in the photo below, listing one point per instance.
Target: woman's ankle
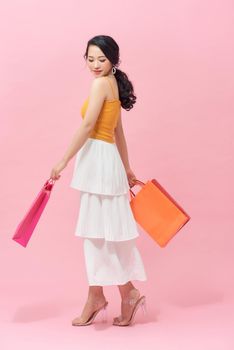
(126, 290)
(96, 298)
(131, 297)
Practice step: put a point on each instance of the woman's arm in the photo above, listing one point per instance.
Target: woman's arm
(96, 99)
(123, 151)
(121, 143)
(77, 142)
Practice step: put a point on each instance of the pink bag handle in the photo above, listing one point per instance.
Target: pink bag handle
(49, 184)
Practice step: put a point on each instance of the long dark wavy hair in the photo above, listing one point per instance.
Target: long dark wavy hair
(111, 50)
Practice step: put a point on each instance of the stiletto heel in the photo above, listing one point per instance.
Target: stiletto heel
(104, 314)
(143, 307)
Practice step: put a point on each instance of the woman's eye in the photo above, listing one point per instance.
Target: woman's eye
(100, 61)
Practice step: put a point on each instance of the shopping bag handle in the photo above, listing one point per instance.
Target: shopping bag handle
(137, 182)
(49, 184)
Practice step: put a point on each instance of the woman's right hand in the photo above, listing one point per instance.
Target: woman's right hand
(55, 172)
(131, 177)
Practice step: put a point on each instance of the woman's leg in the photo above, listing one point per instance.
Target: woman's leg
(124, 289)
(95, 300)
(127, 292)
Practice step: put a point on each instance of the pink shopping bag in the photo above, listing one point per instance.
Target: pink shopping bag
(27, 225)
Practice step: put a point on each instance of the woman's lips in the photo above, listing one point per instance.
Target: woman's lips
(97, 71)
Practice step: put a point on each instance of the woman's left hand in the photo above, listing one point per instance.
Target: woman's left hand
(131, 177)
(57, 169)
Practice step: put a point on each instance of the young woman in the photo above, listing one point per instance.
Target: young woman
(103, 176)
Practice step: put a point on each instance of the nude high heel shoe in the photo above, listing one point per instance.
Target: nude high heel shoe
(141, 301)
(90, 320)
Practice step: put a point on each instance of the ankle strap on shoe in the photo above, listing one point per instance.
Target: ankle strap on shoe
(131, 300)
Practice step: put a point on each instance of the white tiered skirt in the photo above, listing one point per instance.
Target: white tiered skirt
(105, 221)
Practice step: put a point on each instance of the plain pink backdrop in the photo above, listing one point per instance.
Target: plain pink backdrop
(179, 56)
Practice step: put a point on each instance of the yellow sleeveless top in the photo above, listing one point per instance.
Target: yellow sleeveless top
(107, 119)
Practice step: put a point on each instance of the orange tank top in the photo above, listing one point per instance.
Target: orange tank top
(107, 119)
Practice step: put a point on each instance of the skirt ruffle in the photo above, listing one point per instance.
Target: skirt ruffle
(105, 220)
(105, 216)
(112, 263)
(101, 179)
(99, 169)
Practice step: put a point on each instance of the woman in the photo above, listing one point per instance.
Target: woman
(103, 176)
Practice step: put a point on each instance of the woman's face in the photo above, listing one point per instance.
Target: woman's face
(97, 61)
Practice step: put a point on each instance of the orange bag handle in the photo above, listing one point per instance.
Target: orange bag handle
(138, 182)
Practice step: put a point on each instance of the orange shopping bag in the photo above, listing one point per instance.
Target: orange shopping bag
(157, 212)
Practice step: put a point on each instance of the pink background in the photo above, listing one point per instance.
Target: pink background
(179, 56)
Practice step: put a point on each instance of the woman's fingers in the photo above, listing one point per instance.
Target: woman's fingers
(55, 173)
(132, 182)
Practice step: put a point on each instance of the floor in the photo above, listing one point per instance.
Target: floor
(41, 319)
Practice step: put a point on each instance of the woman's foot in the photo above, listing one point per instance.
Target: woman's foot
(92, 304)
(127, 306)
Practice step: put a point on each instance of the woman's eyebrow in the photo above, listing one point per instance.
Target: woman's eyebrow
(98, 56)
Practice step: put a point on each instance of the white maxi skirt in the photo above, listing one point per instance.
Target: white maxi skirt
(105, 221)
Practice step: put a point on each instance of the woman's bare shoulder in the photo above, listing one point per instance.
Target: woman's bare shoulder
(97, 89)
